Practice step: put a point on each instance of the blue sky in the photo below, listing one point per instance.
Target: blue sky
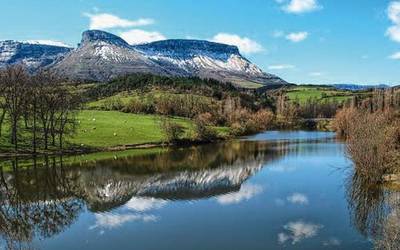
(303, 41)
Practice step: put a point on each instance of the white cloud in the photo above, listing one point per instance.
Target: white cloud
(142, 204)
(298, 198)
(393, 33)
(108, 21)
(298, 231)
(245, 45)
(48, 42)
(281, 67)
(137, 36)
(246, 192)
(110, 221)
(316, 74)
(302, 6)
(393, 12)
(395, 56)
(297, 36)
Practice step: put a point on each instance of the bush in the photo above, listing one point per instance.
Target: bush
(203, 131)
(342, 121)
(173, 131)
(263, 119)
(374, 143)
(245, 122)
(139, 106)
(113, 103)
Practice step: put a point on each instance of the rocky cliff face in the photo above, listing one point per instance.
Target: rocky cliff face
(102, 56)
(33, 56)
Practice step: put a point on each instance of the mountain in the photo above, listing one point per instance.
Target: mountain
(355, 87)
(206, 60)
(101, 56)
(33, 55)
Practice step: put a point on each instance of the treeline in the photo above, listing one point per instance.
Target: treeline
(245, 111)
(371, 127)
(147, 82)
(295, 114)
(36, 110)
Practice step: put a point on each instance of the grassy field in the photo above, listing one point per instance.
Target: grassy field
(104, 129)
(304, 93)
(112, 128)
(125, 98)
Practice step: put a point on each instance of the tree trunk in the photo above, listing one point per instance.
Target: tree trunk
(3, 115)
(34, 127)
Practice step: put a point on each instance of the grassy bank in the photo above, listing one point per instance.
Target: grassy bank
(102, 130)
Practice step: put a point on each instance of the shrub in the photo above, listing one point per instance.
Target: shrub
(203, 131)
(374, 143)
(173, 131)
(112, 103)
(342, 121)
(244, 122)
(139, 106)
(263, 119)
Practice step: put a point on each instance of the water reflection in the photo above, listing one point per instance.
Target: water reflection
(375, 211)
(296, 231)
(47, 198)
(37, 203)
(234, 195)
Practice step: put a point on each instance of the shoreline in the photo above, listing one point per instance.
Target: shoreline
(118, 148)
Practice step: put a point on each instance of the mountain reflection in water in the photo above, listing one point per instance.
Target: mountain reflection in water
(46, 198)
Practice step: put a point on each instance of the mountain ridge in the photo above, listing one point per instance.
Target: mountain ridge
(102, 56)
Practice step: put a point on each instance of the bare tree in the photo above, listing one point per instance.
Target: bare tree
(14, 81)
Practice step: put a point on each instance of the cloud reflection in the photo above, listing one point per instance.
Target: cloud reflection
(281, 168)
(332, 242)
(246, 192)
(141, 204)
(298, 231)
(298, 198)
(111, 221)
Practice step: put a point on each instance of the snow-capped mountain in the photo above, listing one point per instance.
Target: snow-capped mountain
(102, 56)
(33, 55)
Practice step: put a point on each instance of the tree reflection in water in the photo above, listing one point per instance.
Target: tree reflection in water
(375, 211)
(36, 203)
(41, 202)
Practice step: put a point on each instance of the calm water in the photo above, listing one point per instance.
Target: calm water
(274, 190)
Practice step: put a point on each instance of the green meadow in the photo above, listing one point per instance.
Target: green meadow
(304, 93)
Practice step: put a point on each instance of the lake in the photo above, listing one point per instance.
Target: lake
(292, 190)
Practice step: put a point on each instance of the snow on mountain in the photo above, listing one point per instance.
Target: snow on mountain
(102, 56)
(33, 56)
(48, 42)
